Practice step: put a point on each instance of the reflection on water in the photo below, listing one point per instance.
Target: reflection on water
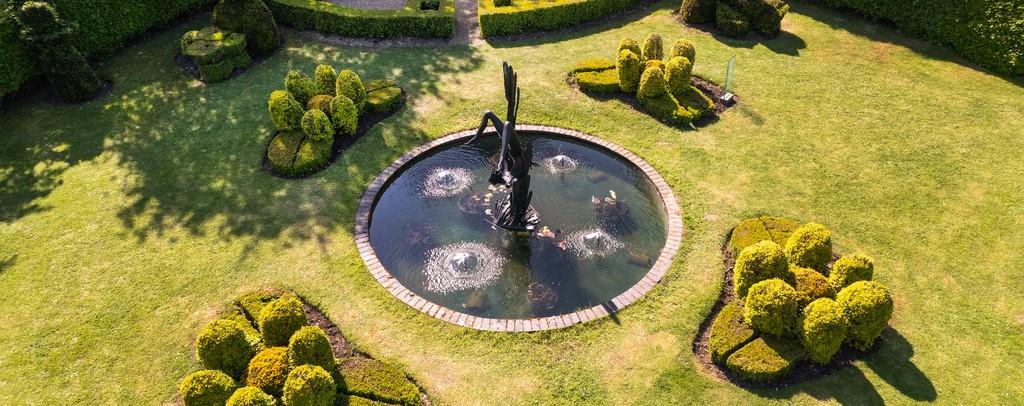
(602, 223)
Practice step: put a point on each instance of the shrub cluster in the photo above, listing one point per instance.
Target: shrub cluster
(663, 89)
(217, 53)
(795, 310)
(309, 385)
(66, 69)
(206, 388)
(532, 16)
(736, 18)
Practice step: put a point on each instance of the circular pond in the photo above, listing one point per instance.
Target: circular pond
(608, 229)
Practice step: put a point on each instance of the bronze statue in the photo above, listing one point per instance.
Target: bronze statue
(513, 213)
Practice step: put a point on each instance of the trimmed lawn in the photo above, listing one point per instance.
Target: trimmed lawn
(126, 222)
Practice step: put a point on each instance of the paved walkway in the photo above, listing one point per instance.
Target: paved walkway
(467, 26)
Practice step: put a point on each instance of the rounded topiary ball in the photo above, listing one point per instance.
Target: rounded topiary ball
(310, 346)
(652, 48)
(350, 85)
(300, 86)
(810, 285)
(344, 115)
(206, 388)
(251, 396)
(823, 329)
(758, 262)
(222, 345)
(324, 79)
(268, 370)
(280, 319)
(868, 308)
(628, 68)
(309, 385)
(677, 74)
(771, 307)
(317, 126)
(652, 84)
(810, 246)
(849, 269)
(285, 111)
(685, 49)
(629, 44)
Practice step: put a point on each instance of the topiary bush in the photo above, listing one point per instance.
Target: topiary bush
(222, 345)
(765, 16)
(810, 286)
(698, 11)
(654, 64)
(324, 80)
(252, 18)
(350, 85)
(771, 307)
(822, 329)
(606, 81)
(868, 308)
(310, 346)
(731, 22)
(765, 359)
(629, 44)
(311, 156)
(628, 69)
(729, 332)
(685, 49)
(317, 126)
(268, 370)
(849, 269)
(810, 246)
(309, 385)
(652, 49)
(206, 388)
(300, 86)
(344, 115)
(652, 84)
(251, 396)
(372, 379)
(216, 53)
(383, 100)
(285, 111)
(677, 74)
(280, 319)
(761, 261)
(321, 102)
(66, 69)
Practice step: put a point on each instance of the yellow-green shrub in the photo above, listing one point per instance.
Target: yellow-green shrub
(771, 307)
(251, 396)
(324, 79)
(300, 86)
(728, 332)
(823, 329)
(810, 246)
(317, 126)
(810, 285)
(765, 359)
(652, 84)
(761, 261)
(310, 346)
(321, 102)
(350, 85)
(652, 48)
(206, 388)
(344, 115)
(868, 308)
(280, 319)
(685, 49)
(222, 345)
(593, 65)
(285, 111)
(268, 370)
(628, 69)
(629, 44)
(309, 385)
(849, 269)
(677, 74)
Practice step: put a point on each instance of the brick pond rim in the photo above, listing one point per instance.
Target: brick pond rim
(653, 277)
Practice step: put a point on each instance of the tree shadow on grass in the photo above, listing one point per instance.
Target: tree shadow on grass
(785, 42)
(849, 386)
(195, 152)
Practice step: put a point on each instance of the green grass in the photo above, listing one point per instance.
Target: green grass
(127, 222)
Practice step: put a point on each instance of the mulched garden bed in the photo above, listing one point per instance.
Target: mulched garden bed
(802, 372)
(710, 89)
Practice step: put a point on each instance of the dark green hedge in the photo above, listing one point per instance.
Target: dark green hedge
(531, 16)
(103, 26)
(330, 18)
(989, 32)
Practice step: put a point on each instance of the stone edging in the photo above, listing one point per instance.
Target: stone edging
(661, 266)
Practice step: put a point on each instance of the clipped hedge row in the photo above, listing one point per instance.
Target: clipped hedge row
(989, 32)
(531, 16)
(330, 18)
(103, 26)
